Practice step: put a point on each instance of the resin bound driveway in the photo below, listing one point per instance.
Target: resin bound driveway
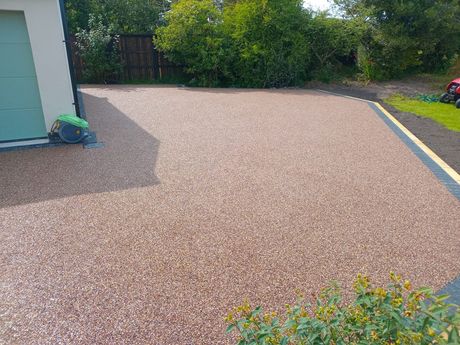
(201, 198)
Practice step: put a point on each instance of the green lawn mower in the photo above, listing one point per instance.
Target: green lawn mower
(71, 129)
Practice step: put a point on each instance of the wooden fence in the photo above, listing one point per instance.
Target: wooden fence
(140, 59)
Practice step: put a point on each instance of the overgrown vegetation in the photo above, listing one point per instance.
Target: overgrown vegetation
(196, 39)
(333, 43)
(377, 316)
(446, 115)
(123, 17)
(277, 43)
(267, 42)
(403, 37)
(98, 49)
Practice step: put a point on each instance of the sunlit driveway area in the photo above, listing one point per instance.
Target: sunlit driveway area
(201, 198)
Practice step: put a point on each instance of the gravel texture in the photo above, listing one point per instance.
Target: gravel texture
(444, 142)
(202, 198)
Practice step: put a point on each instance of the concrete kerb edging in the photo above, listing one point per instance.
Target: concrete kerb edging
(446, 174)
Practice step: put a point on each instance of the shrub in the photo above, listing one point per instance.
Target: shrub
(127, 16)
(411, 36)
(268, 42)
(331, 41)
(250, 43)
(405, 37)
(99, 53)
(367, 66)
(378, 316)
(193, 37)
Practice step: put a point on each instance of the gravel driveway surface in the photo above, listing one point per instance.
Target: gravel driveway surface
(202, 198)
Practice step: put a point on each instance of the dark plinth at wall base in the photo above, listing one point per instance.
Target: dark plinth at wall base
(28, 147)
(91, 142)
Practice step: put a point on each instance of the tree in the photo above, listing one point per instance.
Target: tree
(350, 9)
(268, 40)
(417, 34)
(78, 12)
(401, 37)
(127, 16)
(331, 39)
(98, 51)
(193, 36)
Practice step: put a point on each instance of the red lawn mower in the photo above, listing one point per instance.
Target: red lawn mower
(452, 94)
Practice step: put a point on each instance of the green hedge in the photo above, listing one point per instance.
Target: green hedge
(277, 43)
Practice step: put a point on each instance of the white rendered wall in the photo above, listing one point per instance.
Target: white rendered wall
(46, 34)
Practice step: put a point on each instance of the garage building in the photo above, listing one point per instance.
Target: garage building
(36, 76)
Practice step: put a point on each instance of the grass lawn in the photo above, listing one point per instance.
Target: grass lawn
(444, 114)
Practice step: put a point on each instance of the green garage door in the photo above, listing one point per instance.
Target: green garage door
(21, 113)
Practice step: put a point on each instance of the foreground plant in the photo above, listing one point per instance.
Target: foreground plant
(377, 316)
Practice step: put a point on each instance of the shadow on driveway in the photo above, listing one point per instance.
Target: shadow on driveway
(127, 161)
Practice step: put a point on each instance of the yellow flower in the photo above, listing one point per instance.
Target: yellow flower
(417, 337)
(229, 317)
(431, 332)
(267, 318)
(361, 282)
(380, 292)
(396, 302)
(374, 335)
(407, 285)
(394, 277)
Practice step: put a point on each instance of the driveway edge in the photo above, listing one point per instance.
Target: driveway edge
(445, 173)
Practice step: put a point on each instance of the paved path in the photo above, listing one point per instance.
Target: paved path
(201, 198)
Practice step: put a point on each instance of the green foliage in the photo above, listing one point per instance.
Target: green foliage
(259, 43)
(367, 65)
(331, 39)
(417, 33)
(446, 115)
(377, 316)
(350, 9)
(78, 12)
(403, 37)
(277, 43)
(98, 50)
(268, 42)
(127, 16)
(194, 37)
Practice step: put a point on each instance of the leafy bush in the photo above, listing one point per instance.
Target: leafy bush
(98, 50)
(275, 43)
(194, 37)
(251, 43)
(368, 68)
(331, 40)
(405, 37)
(127, 16)
(378, 316)
(268, 42)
